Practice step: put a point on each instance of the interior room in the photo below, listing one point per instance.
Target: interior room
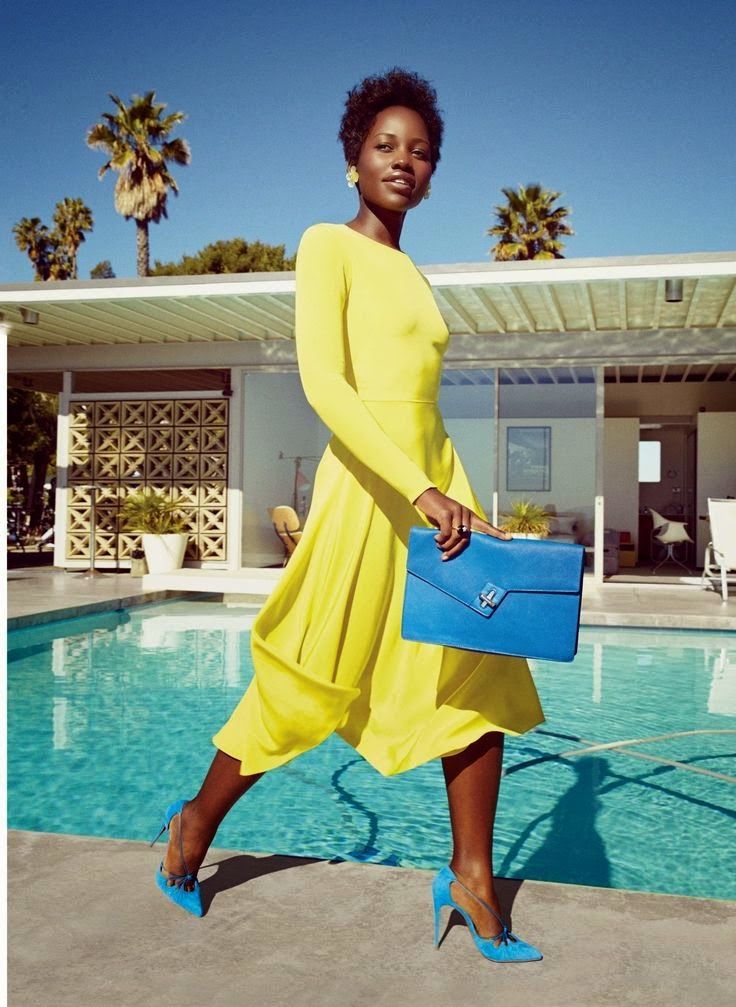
(669, 445)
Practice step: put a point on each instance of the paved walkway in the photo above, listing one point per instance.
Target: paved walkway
(38, 595)
(47, 593)
(87, 925)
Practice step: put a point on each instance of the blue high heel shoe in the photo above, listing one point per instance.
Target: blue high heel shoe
(511, 948)
(191, 901)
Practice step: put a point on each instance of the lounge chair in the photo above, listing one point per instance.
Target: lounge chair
(720, 553)
(670, 533)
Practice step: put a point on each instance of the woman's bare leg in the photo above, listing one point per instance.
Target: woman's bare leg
(473, 778)
(221, 788)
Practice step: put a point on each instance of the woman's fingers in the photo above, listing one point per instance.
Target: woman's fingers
(454, 543)
(449, 516)
(488, 529)
(461, 518)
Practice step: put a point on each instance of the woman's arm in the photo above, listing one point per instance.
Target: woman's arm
(321, 292)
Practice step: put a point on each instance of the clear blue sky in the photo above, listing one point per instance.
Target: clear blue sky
(624, 107)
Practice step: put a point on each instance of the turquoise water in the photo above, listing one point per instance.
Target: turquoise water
(110, 718)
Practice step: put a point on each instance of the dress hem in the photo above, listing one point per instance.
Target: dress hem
(402, 767)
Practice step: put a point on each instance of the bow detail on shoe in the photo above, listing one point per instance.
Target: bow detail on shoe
(178, 879)
(506, 936)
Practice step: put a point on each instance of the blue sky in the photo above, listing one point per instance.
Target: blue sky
(625, 108)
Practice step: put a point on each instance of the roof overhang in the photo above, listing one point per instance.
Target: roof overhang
(586, 309)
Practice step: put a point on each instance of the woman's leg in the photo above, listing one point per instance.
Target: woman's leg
(472, 778)
(201, 816)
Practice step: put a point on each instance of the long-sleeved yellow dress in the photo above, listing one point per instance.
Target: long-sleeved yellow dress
(326, 645)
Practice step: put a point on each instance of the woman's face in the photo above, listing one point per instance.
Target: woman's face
(396, 147)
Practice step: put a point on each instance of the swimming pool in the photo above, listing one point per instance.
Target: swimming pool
(110, 718)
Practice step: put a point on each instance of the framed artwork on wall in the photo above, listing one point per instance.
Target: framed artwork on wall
(528, 458)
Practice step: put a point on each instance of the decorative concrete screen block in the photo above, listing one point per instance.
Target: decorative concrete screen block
(82, 415)
(133, 441)
(214, 412)
(134, 414)
(176, 445)
(160, 440)
(80, 441)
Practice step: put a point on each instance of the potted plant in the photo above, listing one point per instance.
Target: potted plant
(157, 517)
(138, 566)
(526, 520)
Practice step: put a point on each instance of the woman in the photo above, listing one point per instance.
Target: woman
(327, 648)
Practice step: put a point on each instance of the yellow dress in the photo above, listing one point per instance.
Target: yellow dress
(326, 645)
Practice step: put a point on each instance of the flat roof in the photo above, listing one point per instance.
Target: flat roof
(558, 296)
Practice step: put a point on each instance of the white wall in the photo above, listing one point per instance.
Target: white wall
(621, 474)
(277, 418)
(716, 465)
(568, 409)
(572, 486)
(474, 442)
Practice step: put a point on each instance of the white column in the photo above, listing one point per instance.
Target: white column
(236, 441)
(599, 512)
(62, 470)
(497, 445)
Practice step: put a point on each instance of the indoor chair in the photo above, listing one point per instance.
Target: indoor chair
(670, 533)
(286, 525)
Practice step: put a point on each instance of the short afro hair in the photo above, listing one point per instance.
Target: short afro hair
(396, 87)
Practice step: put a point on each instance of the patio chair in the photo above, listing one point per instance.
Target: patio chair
(720, 553)
(287, 526)
(670, 533)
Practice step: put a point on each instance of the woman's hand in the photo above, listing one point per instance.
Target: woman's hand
(446, 514)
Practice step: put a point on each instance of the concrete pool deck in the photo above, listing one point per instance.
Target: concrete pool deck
(43, 594)
(87, 925)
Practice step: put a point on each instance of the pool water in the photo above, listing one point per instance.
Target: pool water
(110, 718)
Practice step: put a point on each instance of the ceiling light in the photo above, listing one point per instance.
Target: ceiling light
(29, 316)
(673, 290)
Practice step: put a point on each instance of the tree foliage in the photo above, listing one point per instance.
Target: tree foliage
(31, 445)
(235, 255)
(528, 226)
(102, 271)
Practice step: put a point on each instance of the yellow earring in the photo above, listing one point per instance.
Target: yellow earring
(352, 176)
(427, 192)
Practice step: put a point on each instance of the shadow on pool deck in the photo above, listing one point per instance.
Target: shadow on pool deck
(87, 925)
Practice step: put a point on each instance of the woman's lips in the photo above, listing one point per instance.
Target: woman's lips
(398, 186)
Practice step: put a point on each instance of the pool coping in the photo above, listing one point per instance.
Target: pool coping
(104, 605)
(643, 620)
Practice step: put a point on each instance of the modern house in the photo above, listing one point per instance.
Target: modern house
(597, 387)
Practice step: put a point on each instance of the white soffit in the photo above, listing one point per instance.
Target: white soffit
(563, 295)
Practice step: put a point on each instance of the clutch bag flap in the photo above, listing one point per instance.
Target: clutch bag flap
(517, 596)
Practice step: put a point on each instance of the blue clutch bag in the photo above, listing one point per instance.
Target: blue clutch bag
(505, 596)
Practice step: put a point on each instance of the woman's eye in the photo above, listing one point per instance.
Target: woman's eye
(417, 151)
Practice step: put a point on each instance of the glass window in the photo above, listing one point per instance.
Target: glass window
(650, 461)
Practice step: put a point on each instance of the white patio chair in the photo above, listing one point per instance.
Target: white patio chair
(720, 553)
(670, 533)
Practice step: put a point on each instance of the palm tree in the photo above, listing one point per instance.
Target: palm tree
(33, 237)
(528, 226)
(135, 138)
(72, 218)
